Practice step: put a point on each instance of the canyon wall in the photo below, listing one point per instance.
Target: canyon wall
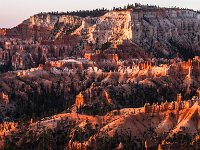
(166, 31)
(114, 27)
(162, 32)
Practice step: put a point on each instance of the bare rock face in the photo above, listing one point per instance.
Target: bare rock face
(43, 20)
(164, 29)
(65, 26)
(159, 31)
(35, 28)
(43, 27)
(113, 26)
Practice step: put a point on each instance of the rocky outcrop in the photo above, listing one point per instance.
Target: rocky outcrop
(37, 27)
(114, 26)
(79, 100)
(3, 32)
(4, 97)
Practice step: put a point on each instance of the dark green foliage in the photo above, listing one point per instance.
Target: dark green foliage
(84, 13)
(95, 109)
(106, 45)
(83, 134)
(184, 50)
(49, 139)
(127, 141)
(42, 101)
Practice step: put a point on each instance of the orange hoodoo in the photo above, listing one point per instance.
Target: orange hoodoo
(179, 98)
(198, 92)
(4, 97)
(107, 96)
(80, 99)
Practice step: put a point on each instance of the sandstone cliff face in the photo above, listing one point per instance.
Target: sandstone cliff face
(113, 26)
(37, 27)
(166, 29)
(65, 25)
(42, 27)
(43, 20)
(162, 32)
